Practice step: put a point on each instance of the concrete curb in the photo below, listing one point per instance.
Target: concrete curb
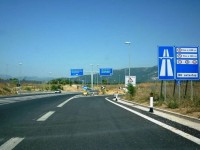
(193, 119)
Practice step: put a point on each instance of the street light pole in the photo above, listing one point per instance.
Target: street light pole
(20, 64)
(20, 70)
(97, 74)
(129, 43)
(91, 77)
(49, 80)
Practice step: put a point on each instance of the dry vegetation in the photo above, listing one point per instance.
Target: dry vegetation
(11, 89)
(186, 104)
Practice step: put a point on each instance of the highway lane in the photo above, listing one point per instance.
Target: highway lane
(82, 123)
(17, 119)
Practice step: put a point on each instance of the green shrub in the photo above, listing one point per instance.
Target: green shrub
(56, 87)
(131, 90)
(197, 103)
(6, 89)
(28, 89)
(158, 103)
(172, 104)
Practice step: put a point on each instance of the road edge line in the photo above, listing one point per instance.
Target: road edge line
(170, 128)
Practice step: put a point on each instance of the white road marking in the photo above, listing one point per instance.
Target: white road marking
(176, 119)
(63, 103)
(177, 131)
(10, 144)
(8, 100)
(46, 116)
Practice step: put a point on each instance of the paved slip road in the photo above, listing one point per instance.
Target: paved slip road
(89, 123)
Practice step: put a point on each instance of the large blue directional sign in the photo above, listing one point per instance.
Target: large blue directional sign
(76, 72)
(187, 63)
(166, 63)
(106, 71)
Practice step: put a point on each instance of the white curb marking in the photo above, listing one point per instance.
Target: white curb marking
(10, 144)
(177, 131)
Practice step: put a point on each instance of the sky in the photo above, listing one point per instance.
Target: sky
(49, 37)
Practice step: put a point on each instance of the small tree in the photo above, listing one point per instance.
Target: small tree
(131, 90)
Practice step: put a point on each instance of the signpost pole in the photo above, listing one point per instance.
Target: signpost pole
(92, 77)
(129, 58)
(165, 91)
(191, 90)
(179, 92)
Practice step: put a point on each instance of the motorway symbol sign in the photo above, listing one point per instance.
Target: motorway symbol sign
(106, 71)
(76, 72)
(166, 63)
(187, 63)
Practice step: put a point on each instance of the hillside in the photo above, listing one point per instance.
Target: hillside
(143, 74)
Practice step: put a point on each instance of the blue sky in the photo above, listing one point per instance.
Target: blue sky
(58, 35)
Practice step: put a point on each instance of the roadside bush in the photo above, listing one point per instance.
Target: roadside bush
(131, 90)
(158, 103)
(197, 103)
(6, 89)
(56, 87)
(28, 89)
(103, 91)
(172, 104)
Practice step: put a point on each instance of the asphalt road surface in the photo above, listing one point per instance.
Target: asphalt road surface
(69, 122)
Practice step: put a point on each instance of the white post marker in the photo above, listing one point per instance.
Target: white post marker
(151, 103)
(116, 96)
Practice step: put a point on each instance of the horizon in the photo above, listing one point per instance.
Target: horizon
(6, 77)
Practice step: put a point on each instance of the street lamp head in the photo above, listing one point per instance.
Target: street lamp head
(127, 42)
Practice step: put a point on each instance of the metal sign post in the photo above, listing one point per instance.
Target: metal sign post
(191, 90)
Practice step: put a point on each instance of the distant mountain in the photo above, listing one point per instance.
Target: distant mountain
(27, 78)
(143, 74)
(5, 77)
(35, 78)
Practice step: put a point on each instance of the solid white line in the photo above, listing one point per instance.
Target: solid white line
(46, 116)
(177, 131)
(10, 144)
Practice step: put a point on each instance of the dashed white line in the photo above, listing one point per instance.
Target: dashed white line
(46, 116)
(63, 103)
(179, 132)
(10, 144)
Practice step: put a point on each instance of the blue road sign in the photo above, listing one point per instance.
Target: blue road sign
(85, 87)
(106, 71)
(187, 63)
(166, 63)
(76, 72)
